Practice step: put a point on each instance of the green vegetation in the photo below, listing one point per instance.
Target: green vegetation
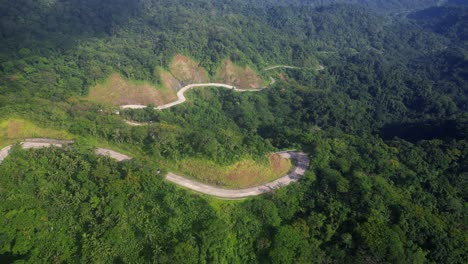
(360, 195)
(385, 125)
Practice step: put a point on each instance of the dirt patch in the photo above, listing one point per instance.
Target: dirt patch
(244, 78)
(250, 174)
(246, 173)
(14, 128)
(118, 91)
(282, 77)
(187, 71)
(170, 81)
(279, 164)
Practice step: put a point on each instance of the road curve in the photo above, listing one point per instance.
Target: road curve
(302, 162)
(280, 66)
(112, 154)
(181, 97)
(319, 68)
(36, 143)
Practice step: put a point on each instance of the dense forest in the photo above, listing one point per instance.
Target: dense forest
(385, 124)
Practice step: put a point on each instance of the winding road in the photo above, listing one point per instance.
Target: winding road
(301, 161)
(281, 66)
(181, 97)
(36, 143)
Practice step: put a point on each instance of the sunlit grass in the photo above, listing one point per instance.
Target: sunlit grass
(14, 129)
(118, 91)
(242, 174)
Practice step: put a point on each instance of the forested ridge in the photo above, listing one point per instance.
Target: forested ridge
(385, 124)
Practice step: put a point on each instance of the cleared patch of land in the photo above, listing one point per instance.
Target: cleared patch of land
(244, 78)
(183, 71)
(13, 129)
(118, 91)
(187, 70)
(243, 174)
(169, 80)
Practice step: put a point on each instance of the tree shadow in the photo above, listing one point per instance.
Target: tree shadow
(60, 23)
(426, 130)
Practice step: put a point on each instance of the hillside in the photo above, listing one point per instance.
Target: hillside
(377, 5)
(373, 95)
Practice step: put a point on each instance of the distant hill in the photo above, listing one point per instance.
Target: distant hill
(380, 5)
(450, 21)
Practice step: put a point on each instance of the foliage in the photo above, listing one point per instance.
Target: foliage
(385, 126)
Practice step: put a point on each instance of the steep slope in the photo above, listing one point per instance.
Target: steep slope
(244, 78)
(187, 70)
(118, 91)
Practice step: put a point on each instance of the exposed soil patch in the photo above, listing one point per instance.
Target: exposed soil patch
(187, 70)
(169, 81)
(242, 174)
(14, 128)
(279, 164)
(118, 91)
(244, 78)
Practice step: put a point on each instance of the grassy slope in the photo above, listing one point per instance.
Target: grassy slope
(13, 130)
(118, 91)
(242, 77)
(183, 70)
(187, 70)
(242, 174)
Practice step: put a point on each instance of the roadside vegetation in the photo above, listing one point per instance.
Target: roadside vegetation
(385, 126)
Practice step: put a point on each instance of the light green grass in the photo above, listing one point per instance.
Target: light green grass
(117, 90)
(15, 129)
(243, 174)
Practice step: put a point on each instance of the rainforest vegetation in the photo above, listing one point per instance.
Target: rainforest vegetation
(385, 124)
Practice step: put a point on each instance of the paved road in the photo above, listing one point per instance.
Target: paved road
(133, 123)
(302, 162)
(112, 154)
(319, 68)
(36, 143)
(4, 153)
(281, 66)
(181, 97)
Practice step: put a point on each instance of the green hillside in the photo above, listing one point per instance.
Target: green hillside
(375, 92)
